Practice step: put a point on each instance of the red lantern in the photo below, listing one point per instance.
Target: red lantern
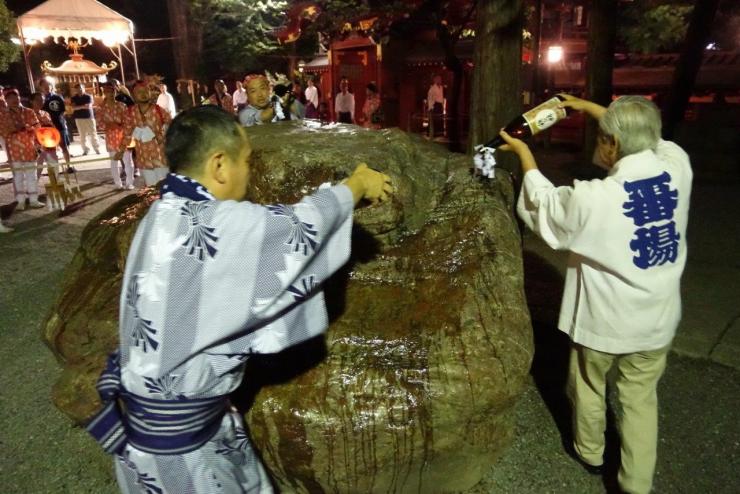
(48, 137)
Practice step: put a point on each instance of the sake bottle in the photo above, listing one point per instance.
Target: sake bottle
(533, 122)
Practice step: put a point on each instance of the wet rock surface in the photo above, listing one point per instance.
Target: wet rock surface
(413, 386)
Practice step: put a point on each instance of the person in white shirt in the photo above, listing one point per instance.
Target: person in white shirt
(344, 104)
(622, 303)
(435, 106)
(239, 98)
(166, 101)
(312, 100)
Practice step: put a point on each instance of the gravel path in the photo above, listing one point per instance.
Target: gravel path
(40, 452)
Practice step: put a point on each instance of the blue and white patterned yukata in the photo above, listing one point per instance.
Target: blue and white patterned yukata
(207, 283)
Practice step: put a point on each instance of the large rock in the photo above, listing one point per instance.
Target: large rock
(430, 340)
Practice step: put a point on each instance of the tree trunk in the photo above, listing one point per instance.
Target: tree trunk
(496, 91)
(448, 41)
(188, 42)
(454, 65)
(689, 64)
(602, 35)
(536, 28)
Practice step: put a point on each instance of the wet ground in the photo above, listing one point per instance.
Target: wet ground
(699, 449)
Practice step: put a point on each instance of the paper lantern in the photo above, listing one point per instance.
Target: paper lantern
(48, 137)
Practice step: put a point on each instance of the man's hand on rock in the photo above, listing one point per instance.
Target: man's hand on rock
(368, 184)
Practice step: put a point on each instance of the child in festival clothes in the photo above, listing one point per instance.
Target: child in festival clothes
(146, 123)
(3, 108)
(371, 108)
(54, 106)
(46, 155)
(221, 98)
(111, 116)
(210, 280)
(18, 125)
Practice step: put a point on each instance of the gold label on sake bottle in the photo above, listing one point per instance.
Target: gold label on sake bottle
(545, 115)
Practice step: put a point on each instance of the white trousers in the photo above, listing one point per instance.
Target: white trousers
(53, 200)
(151, 177)
(86, 127)
(128, 167)
(25, 181)
(50, 158)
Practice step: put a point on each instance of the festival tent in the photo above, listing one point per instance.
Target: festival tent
(78, 19)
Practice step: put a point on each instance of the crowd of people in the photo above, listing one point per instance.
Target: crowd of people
(134, 121)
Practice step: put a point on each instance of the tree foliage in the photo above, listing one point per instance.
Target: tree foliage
(238, 34)
(9, 51)
(726, 27)
(653, 27)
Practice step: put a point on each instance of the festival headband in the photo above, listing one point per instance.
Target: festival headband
(252, 77)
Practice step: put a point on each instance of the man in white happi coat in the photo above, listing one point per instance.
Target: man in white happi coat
(622, 302)
(211, 279)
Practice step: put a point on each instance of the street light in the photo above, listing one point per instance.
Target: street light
(17, 41)
(554, 54)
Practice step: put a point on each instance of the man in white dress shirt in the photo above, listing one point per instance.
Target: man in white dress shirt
(240, 97)
(435, 106)
(344, 104)
(622, 301)
(166, 101)
(312, 100)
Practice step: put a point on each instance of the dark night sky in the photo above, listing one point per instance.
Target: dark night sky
(150, 21)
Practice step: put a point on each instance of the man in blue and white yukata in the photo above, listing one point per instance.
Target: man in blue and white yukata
(622, 301)
(211, 279)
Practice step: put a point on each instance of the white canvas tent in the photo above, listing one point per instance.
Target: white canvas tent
(87, 19)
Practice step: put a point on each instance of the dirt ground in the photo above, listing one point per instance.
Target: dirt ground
(41, 452)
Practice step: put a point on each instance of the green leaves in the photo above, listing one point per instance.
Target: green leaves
(652, 29)
(9, 51)
(237, 34)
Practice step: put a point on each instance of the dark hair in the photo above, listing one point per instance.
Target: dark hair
(280, 90)
(372, 87)
(196, 132)
(33, 95)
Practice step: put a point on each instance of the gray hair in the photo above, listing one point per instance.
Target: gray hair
(634, 121)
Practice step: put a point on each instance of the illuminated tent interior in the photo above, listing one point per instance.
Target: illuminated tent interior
(67, 20)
